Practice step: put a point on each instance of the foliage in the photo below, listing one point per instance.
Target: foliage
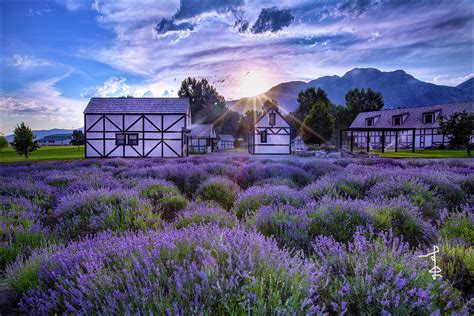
(220, 190)
(3, 143)
(318, 126)
(23, 140)
(77, 138)
(203, 214)
(458, 128)
(206, 103)
(269, 104)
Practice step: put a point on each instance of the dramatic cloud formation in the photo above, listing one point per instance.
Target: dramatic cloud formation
(146, 47)
(273, 20)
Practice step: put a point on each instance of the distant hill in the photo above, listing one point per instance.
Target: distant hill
(43, 132)
(398, 88)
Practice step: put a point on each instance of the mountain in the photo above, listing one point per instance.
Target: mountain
(398, 88)
(467, 86)
(45, 132)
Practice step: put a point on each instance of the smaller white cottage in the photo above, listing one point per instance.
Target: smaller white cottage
(201, 139)
(270, 135)
(225, 141)
(55, 140)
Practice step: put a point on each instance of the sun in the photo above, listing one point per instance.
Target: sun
(252, 83)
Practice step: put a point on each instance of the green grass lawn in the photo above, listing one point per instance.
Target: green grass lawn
(44, 153)
(435, 153)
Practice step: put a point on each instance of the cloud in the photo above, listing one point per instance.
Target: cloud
(166, 25)
(273, 20)
(355, 8)
(450, 80)
(40, 104)
(191, 8)
(74, 5)
(112, 87)
(28, 62)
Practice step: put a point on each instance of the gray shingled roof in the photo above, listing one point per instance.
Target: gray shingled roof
(201, 130)
(414, 118)
(137, 105)
(226, 137)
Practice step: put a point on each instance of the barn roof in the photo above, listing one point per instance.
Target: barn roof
(137, 105)
(226, 137)
(414, 116)
(201, 130)
(58, 137)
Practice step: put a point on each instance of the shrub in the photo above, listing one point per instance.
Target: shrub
(203, 214)
(37, 192)
(288, 225)
(185, 176)
(164, 196)
(249, 201)
(197, 270)
(404, 220)
(378, 275)
(93, 211)
(338, 218)
(459, 225)
(457, 265)
(220, 190)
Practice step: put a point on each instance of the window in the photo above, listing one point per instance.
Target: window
(428, 118)
(369, 121)
(263, 137)
(272, 119)
(119, 139)
(133, 139)
(397, 120)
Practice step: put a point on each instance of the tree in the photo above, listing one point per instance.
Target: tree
(206, 103)
(3, 143)
(306, 100)
(318, 126)
(269, 104)
(229, 123)
(248, 121)
(23, 140)
(361, 101)
(77, 138)
(458, 128)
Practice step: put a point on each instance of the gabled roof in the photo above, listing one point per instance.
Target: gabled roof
(226, 137)
(58, 137)
(266, 112)
(414, 116)
(137, 105)
(202, 130)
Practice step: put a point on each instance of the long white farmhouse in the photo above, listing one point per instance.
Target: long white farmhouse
(136, 127)
(270, 135)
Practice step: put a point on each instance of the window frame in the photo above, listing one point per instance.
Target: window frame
(371, 120)
(117, 143)
(394, 117)
(272, 118)
(263, 137)
(432, 114)
(132, 142)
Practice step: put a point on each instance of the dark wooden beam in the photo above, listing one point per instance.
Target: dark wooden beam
(413, 141)
(368, 141)
(383, 141)
(396, 141)
(352, 141)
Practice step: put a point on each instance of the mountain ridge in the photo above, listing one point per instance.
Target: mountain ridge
(398, 88)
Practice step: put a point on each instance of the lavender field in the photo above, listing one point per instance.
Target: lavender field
(236, 236)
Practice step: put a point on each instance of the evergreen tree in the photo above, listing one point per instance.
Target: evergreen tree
(269, 104)
(306, 99)
(23, 140)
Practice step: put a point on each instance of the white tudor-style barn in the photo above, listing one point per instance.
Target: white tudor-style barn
(225, 142)
(136, 127)
(270, 135)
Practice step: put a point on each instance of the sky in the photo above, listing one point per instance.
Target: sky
(55, 55)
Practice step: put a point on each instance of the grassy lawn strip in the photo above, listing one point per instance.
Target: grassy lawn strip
(44, 153)
(435, 153)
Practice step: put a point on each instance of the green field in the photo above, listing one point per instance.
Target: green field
(44, 153)
(435, 153)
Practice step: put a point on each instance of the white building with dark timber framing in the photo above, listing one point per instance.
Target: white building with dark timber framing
(136, 127)
(201, 138)
(270, 135)
(402, 128)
